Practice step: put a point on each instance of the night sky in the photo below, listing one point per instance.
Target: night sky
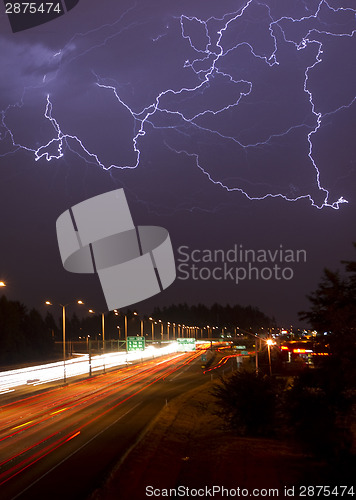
(229, 123)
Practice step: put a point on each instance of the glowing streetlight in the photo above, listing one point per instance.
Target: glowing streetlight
(152, 327)
(102, 330)
(116, 312)
(269, 342)
(141, 320)
(2, 284)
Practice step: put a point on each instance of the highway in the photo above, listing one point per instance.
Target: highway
(62, 443)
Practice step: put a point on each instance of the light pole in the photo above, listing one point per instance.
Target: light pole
(116, 312)
(102, 326)
(269, 343)
(2, 284)
(64, 342)
(102, 332)
(103, 329)
(126, 332)
(125, 316)
(141, 320)
(49, 303)
(152, 328)
(256, 349)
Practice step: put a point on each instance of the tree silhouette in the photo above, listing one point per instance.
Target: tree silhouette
(24, 336)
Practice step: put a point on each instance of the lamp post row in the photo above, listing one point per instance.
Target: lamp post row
(269, 341)
(180, 327)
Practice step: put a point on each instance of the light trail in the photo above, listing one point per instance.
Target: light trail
(40, 404)
(222, 362)
(51, 372)
(86, 405)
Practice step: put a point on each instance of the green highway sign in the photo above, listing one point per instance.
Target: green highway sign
(240, 347)
(186, 344)
(135, 343)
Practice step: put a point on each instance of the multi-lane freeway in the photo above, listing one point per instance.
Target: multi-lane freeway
(62, 443)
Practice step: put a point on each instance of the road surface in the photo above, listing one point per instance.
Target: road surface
(61, 444)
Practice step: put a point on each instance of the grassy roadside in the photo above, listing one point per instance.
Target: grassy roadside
(187, 444)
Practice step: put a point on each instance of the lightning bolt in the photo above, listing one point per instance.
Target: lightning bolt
(189, 109)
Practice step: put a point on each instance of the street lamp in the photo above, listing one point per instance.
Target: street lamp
(152, 328)
(126, 334)
(269, 342)
(2, 284)
(102, 332)
(125, 316)
(49, 303)
(136, 314)
(256, 352)
(117, 313)
(102, 326)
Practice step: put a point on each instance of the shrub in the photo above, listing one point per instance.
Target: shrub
(248, 402)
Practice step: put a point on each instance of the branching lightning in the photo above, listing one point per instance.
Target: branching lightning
(207, 41)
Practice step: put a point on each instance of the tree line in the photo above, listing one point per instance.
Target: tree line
(217, 315)
(26, 336)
